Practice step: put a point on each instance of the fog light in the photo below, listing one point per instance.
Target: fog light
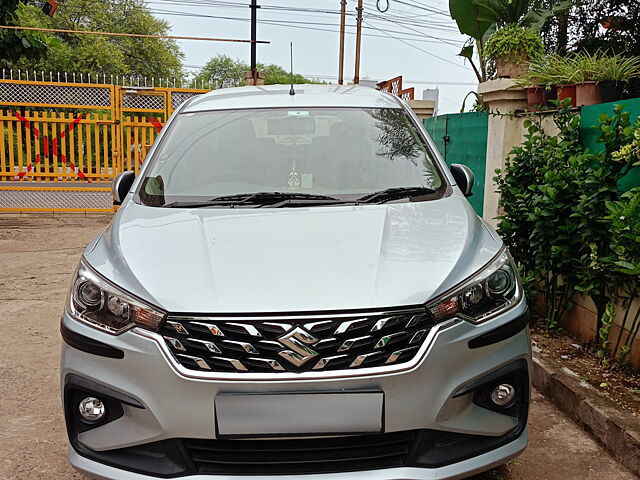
(503, 395)
(91, 409)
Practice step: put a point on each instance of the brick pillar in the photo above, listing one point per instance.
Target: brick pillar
(248, 79)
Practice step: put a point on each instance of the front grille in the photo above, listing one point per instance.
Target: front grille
(300, 456)
(302, 344)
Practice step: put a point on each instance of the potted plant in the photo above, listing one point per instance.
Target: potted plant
(583, 67)
(535, 88)
(556, 71)
(539, 83)
(563, 70)
(512, 47)
(613, 74)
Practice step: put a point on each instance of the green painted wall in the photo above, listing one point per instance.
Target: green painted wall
(589, 135)
(462, 138)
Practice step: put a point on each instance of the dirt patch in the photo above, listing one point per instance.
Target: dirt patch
(621, 385)
(37, 258)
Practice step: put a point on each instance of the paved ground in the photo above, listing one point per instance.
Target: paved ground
(37, 257)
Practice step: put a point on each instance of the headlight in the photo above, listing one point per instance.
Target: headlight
(105, 306)
(491, 291)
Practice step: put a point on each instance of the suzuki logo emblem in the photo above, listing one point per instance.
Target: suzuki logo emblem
(299, 342)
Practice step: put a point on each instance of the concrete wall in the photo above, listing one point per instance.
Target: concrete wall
(422, 108)
(581, 322)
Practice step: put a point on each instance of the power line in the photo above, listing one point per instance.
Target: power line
(420, 33)
(297, 10)
(117, 34)
(306, 25)
(335, 77)
(420, 49)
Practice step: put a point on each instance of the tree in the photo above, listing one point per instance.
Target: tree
(275, 74)
(223, 71)
(15, 44)
(150, 57)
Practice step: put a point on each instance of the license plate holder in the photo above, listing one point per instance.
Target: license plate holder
(299, 414)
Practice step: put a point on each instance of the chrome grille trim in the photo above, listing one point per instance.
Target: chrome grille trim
(209, 345)
(353, 341)
(211, 327)
(250, 329)
(349, 325)
(177, 344)
(178, 327)
(323, 365)
(323, 362)
(272, 363)
(197, 360)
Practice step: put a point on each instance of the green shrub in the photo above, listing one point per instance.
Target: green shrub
(566, 222)
(538, 198)
(623, 224)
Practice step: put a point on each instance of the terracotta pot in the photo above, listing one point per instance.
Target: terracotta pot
(587, 93)
(550, 94)
(507, 69)
(567, 91)
(611, 91)
(535, 97)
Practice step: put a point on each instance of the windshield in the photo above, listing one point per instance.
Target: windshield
(342, 153)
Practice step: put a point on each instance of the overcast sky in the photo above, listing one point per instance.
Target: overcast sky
(414, 38)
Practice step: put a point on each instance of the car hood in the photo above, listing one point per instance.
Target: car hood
(213, 260)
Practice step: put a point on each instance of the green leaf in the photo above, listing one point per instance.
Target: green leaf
(467, 16)
(626, 265)
(467, 52)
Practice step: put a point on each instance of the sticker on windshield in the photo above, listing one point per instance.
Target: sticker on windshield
(307, 180)
(297, 113)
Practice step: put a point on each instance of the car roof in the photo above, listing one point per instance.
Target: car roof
(278, 96)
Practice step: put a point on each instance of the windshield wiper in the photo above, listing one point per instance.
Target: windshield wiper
(258, 198)
(395, 193)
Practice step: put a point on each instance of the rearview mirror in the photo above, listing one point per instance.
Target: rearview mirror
(463, 177)
(294, 125)
(121, 186)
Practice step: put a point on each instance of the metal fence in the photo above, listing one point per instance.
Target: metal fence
(462, 138)
(75, 133)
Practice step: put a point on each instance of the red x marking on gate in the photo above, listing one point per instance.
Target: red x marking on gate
(53, 152)
(156, 123)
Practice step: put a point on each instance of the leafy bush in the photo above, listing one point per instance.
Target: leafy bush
(623, 224)
(514, 43)
(565, 221)
(598, 183)
(538, 198)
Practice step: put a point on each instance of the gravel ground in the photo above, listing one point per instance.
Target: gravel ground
(38, 255)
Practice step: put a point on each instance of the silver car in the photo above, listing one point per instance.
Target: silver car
(295, 287)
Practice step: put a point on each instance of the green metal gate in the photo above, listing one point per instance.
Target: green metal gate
(462, 138)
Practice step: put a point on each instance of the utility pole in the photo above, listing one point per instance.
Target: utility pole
(356, 77)
(254, 77)
(343, 19)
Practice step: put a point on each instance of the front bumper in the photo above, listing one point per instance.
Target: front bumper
(458, 470)
(423, 398)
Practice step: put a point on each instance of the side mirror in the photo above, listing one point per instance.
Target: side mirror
(121, 186)
(463, 177)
